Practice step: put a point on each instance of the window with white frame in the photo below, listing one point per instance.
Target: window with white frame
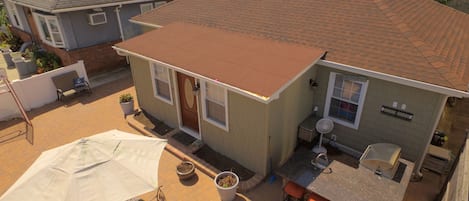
(161, 84)
(146, 7)
(215, 105)
(13, 14)
(49, 29)
(345, 98)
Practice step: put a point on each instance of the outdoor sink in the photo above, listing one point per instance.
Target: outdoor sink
(320, 161)
(319, 164)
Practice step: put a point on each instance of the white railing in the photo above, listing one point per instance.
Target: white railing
(34, 91)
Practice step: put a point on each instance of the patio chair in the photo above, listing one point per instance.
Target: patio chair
(293, 191)
(69, 83)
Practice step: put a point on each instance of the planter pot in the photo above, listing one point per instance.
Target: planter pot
(127, 107)
(185, 170)
(7, 57)
(25, 67)
(226, 192)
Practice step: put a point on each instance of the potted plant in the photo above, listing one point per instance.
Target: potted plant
(12, 43)
(185, 170)
(46, 61)
(127, 103)
(226, 183)
(24, 63)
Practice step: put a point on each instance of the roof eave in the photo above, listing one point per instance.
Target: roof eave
(62, 10)
(396, 79)
(262, 99)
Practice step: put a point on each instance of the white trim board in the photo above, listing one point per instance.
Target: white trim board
(395, 79)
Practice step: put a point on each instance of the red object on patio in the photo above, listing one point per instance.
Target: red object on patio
(316, 197)
(294, 190)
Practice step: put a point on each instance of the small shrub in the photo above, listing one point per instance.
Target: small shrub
(14, 42)
(47, 61)
(124, 98)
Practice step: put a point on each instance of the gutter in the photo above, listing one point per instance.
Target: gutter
(62, 10)
(396, 79)
(262, 99)
(145, 24)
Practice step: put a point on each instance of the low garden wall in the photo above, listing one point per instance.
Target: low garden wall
(34, 91)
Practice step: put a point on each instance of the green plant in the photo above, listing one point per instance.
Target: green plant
(124, 98)
(46, 61)
(3, 16)
(14, 42)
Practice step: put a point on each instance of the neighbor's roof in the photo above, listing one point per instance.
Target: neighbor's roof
(57, 5)
(252, 64)
(415, 39)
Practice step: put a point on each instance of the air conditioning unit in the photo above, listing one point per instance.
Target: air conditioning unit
(97, 18)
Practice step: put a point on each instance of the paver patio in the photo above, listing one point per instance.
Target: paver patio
(58, 123)
(62, 122)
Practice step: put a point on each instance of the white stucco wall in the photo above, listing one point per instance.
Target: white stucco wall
(34, 91)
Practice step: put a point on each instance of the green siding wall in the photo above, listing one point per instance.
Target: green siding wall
(376, 127)
(146, 99)
(286, 113)
(246, 140)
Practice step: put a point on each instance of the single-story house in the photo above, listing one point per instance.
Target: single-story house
(242, 75)
(78, 30)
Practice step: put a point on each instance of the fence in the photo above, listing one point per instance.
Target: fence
(456, 186)
(34, 91)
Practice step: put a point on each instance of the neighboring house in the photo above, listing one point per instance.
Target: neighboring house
(78, 30)
(462, 5)
(256, 63)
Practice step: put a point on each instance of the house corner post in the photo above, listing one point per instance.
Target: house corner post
(417, 175)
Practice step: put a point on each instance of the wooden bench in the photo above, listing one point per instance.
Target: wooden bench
(65, 85)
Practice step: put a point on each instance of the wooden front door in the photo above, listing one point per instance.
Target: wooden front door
(188, 102)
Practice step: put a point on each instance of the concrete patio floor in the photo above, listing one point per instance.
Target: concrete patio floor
(59, 123)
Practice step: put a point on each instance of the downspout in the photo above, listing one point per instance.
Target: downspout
(119, 23)
(418, 174)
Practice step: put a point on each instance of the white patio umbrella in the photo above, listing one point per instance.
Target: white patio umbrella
(113, 166)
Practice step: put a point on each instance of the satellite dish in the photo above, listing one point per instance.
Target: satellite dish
(323, 126)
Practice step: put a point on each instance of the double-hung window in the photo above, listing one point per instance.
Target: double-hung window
(13, 14)
(161, 84)
(49, 29)
(215, 104)
(345, 98)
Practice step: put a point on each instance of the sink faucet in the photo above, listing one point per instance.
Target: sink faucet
(323, 156)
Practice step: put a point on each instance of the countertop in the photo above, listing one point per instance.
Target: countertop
(339, 181)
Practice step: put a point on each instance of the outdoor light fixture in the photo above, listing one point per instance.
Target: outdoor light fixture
(313, 84)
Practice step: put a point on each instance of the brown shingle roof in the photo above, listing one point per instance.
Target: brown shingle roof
(416, 39)
(246, 62)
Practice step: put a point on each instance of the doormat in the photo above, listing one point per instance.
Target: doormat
(184, 138)
(223, 163)
(152, 123)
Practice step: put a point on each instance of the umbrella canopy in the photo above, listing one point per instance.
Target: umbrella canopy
(113, 166)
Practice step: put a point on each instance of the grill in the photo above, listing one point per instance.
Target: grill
(381, 158)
